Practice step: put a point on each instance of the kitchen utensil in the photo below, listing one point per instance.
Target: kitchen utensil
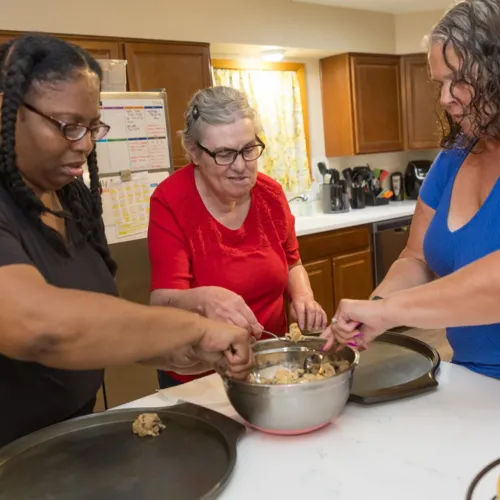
(335, 176)
(98, 457)
(383, 175)
(312, 363)
(322, 168)
(345, 195)
(347, 173)
(294, 408)
(283, 339)
(337, 198)
(393, 367)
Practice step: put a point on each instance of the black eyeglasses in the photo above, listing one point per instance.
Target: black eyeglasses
(225, 156)
(74, 131)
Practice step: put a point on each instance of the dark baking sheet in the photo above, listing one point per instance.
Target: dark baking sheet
(99, 458)
(395, 366)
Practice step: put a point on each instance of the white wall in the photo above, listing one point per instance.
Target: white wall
(410, 29)
(258, 22)
(261, 22)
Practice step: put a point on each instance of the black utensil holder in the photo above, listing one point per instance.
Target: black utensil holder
(357, 197)
(372, 201)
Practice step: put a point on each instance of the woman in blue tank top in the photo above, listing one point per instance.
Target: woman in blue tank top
(449, 274)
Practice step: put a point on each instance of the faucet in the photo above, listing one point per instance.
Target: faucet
(302, 197)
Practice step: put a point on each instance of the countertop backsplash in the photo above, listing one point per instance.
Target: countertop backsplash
(392, 162)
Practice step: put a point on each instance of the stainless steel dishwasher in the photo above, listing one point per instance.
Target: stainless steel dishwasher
(389, 240)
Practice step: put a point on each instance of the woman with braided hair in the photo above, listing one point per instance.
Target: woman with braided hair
(60, 320)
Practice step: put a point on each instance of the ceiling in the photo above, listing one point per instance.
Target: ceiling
(231, 50)
(391, 6)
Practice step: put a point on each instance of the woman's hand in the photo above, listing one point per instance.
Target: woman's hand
(223, 305)
(233, 344)
(223, 347)
(308, 313)
(357, 322)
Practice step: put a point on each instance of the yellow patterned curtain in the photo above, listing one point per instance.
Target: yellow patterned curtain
(276, 97)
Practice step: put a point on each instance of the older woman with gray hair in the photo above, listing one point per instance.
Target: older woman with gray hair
(447, 275)
(221, 235)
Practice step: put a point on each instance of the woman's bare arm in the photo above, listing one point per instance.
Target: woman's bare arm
(190, 299)
(82, 330)
(410, 269)
(298, 281)
(469, 296)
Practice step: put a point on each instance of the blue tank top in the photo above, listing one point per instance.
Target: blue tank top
(476, 347)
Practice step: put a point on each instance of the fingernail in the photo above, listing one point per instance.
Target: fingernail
(352, 344)
(358, 335)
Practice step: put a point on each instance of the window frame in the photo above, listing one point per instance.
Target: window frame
(299, 68)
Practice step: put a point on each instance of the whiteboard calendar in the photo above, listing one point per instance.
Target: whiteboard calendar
(138, 143)
(139, 137)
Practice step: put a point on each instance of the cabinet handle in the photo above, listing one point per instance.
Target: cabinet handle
(404, 229)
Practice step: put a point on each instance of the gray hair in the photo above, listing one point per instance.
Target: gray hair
(472, 29)
(215, 106)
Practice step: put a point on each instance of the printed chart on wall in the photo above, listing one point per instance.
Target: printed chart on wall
(138, 138)
(125, 205)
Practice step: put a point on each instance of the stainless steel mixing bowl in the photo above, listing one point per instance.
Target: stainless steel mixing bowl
(293, 408)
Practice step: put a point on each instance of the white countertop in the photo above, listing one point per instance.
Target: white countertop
(319, 223)
(426, 447)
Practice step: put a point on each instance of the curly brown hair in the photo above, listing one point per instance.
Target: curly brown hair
(472, 29)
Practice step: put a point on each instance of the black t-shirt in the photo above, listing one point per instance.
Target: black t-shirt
(33, 396)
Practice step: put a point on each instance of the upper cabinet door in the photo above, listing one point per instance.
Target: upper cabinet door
(100, 49)
(420, 104)
(181, 69)
(377, 103)
(361, 97)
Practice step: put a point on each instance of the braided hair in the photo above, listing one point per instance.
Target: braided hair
(45, 59)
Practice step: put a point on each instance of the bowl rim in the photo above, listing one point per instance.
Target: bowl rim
(244, 383)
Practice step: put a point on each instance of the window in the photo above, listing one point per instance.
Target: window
(277, 91)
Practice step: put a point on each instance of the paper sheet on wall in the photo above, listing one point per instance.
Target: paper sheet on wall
(138, 137)
(126, 205)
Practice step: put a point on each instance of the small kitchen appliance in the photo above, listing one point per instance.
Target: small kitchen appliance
(416, 171)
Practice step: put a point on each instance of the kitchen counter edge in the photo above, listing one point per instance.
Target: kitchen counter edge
(320, 223)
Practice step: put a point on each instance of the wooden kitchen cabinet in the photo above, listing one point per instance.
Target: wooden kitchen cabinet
(352, 276)
(339, 265)
(320, 276)
(99, 48)
(420, 99)
(180, 68)
(361, 96)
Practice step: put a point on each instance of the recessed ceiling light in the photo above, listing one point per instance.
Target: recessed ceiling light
(273, 55)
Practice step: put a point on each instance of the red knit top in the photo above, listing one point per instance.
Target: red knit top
(189, 248)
